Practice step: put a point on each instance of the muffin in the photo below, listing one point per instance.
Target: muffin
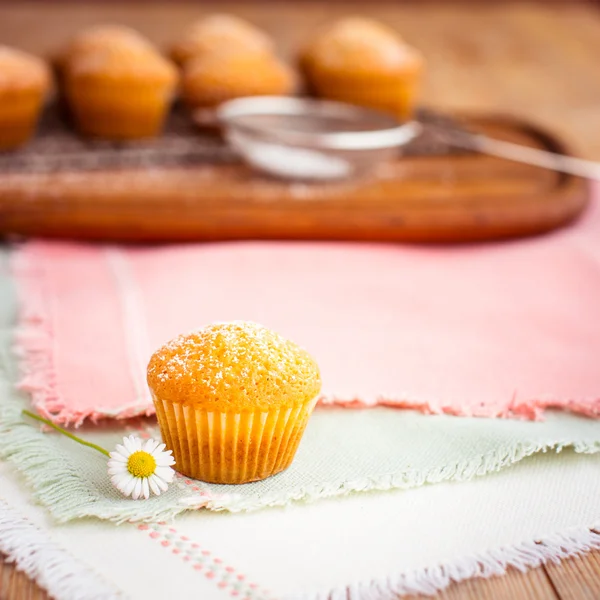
(24, 83)
(232, 401)
(220, 34)
(211, 79)
(119, 91)
(99, 37)
(363, 62)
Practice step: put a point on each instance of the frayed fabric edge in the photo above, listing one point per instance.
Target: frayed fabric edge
(49, 565)
(34, 349)
(55, 482)
(529, 410)
(483, 465)
(34, 337)
(430, 580)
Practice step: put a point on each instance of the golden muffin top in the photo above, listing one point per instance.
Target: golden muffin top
(220, 33)
(211, 79)
(22, 71)
(233, 367)
(359, 44)
(100, 37)
(117, 62)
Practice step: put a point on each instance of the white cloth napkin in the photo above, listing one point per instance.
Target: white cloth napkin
(367, 546)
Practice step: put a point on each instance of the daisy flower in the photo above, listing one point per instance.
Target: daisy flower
(136, 469)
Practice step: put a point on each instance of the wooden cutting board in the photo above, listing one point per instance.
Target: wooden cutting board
(433, 198)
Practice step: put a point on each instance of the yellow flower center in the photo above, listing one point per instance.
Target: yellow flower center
(141, 464)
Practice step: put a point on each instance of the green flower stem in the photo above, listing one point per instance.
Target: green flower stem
(65, 432)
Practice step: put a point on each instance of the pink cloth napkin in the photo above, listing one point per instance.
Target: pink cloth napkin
(503, 329)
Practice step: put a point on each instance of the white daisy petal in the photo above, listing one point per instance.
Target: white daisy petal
(153, 485)
(150, 446)
(120, 449)
(114, 469)
(137, 490)
(122, 487)
(116, 457)
(121, 480)
(160, 448)
(116, 481)
(134, 492)
(164, 453)
(128, 443)
(126, 476)
(163, 485)
(165, 473)
(156, 451)
(145, 488)
(128, 487)
(169, 480)
(164, 461)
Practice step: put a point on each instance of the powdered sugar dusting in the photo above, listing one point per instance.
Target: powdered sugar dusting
(239, 363)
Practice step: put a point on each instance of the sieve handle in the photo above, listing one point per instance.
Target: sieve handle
(530, 156)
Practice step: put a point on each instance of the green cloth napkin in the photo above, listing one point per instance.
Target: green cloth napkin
(343, 451)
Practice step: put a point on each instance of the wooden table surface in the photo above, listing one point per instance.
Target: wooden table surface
(535, 61)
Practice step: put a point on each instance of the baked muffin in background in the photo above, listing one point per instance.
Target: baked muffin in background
(25, 81)
(211, 79)
(364, 62)
(221, 33)
(99, 37)
(224, 57)
(118, 86)
(232, 401)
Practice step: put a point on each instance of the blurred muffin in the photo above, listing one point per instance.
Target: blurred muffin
(211, 79)
(220, 34)
(363, 62)
(24, 83)
(233, 401)
(100, 37)
(119, 90)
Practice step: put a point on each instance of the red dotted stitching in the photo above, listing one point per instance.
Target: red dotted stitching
(211, 569)
(142, 430)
